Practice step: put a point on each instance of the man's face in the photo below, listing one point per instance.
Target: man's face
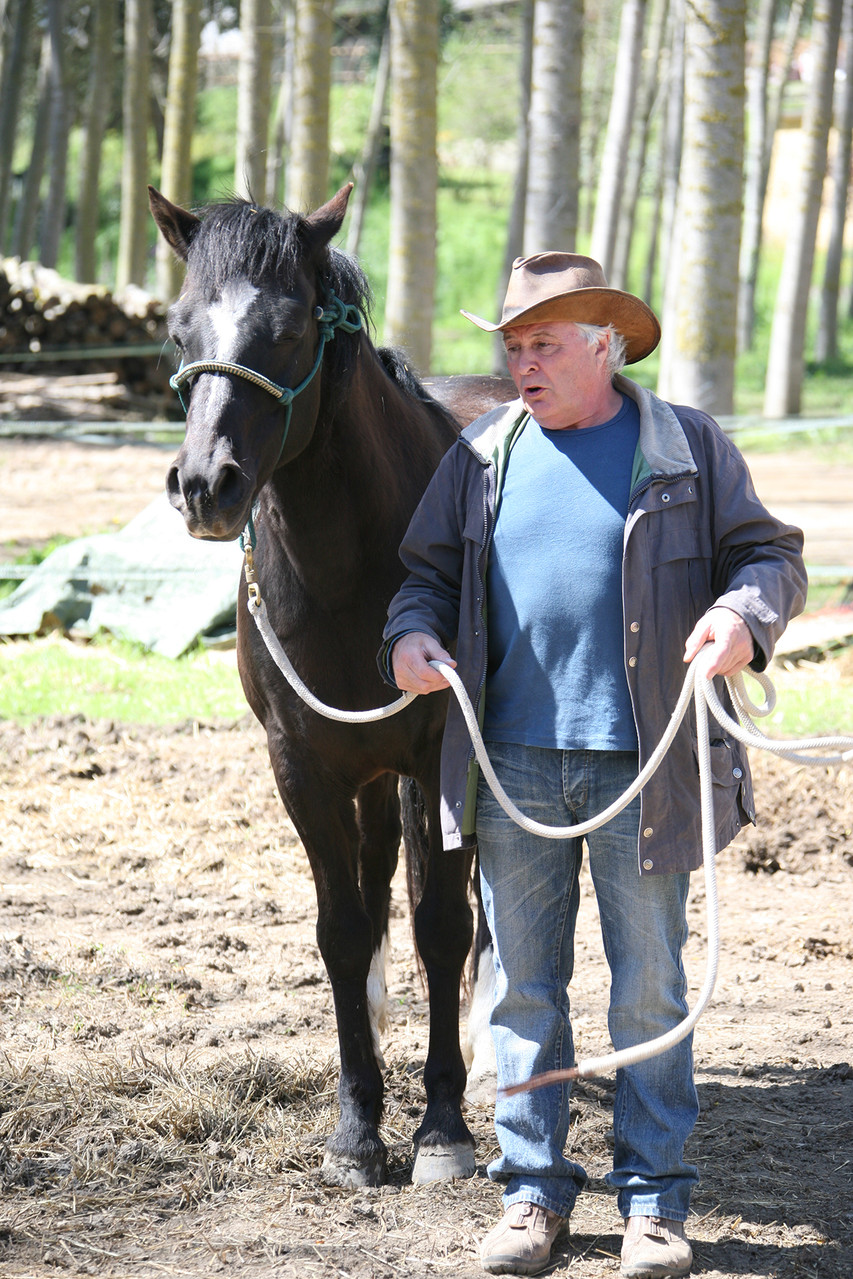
(561, 378)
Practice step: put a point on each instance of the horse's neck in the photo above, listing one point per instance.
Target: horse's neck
(339, 511)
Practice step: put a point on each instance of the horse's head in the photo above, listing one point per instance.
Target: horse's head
(257, 305)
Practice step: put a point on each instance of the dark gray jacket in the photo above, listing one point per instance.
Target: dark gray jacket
(696, 535)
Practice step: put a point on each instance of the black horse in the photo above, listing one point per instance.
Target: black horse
(333, 474)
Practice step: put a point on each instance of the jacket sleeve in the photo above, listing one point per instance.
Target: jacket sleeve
(758, 568)
(432, 552)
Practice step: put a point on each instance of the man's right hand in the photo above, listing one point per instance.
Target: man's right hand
(410, 658)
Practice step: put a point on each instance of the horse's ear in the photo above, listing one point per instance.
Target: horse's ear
(327, 221)
(177, 226)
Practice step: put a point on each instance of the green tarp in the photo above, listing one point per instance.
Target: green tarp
(150, 582)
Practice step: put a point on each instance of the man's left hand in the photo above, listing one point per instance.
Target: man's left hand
(732, 647)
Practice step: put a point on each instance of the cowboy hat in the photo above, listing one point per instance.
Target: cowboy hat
(567, 286)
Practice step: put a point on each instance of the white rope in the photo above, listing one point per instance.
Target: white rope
(258, 609)
(705, 698)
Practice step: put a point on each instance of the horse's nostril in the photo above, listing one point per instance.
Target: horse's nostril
(173, 483)
(230, 488)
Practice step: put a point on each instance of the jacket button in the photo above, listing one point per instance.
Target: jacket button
(648, 864)
(632, 661)
(737, 772)
(459, 803)
(664, 497)
(648, 832)
(635, 626)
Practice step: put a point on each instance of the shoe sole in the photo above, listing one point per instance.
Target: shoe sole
(512, 1266)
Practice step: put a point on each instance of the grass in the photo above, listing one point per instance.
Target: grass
(113, 680)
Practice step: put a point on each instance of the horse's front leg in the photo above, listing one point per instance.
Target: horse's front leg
(325, 820)
(443, 930)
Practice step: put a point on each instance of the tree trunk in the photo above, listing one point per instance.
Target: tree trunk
(282, 127)
(551, 207)
(786, 361)
(755, 184)
(649, 94)
(414, 178)
(54, 214)
(307, 180)
(515, 226)
(28, 203)
(253, 98)
(618, 138)
(826, 340)
(700, 327)
(102, 62)
(601, 22)
(16, 21)
(176, 170)
(133, 225)
(673, 141)
(366, 166)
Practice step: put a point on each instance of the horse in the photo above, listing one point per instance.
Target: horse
(300, 428)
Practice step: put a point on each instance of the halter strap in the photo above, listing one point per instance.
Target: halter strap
(333, 316)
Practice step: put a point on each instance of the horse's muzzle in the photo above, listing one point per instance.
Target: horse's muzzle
(215, 507)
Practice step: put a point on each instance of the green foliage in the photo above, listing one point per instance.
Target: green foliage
(114, 680)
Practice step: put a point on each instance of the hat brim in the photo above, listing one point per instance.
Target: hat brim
(637, 322)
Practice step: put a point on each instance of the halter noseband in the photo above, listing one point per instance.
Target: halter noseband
(335, 315)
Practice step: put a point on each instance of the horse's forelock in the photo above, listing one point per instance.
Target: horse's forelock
(238, 238)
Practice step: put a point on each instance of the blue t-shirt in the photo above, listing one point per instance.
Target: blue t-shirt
(556, 674)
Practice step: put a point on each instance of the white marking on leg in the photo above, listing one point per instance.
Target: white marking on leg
(377, 997)
(479, 1048)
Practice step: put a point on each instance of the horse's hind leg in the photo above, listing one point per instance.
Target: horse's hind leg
(378, 811)
(443, 929)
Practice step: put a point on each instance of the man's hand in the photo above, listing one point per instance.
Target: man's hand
(410, 658)
(731, 640)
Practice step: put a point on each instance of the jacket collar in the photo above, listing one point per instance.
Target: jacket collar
(663, 443)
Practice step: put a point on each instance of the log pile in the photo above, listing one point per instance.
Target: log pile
(58, 326)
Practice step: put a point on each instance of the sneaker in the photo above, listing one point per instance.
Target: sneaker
(521, 1242)
(655, 1248)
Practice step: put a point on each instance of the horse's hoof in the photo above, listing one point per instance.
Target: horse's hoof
(443, 1163)
(338, 1170)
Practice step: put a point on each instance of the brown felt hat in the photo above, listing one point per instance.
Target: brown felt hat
(567, 286)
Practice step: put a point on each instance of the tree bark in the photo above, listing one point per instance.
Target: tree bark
(253, 99)
(54, 213)
(176, 178)
(649, 94)
(755, 182)
(366, 166)
(515, 226)
(28, 203)
(786, 361)
(307, 179)
(17, 21)
(551, 208)
(618, 138)
(826, 339)
(700, 327)
(102, 62)
(414, 178)
(133, 226)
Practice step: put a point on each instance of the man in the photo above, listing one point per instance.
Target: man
(577, 547)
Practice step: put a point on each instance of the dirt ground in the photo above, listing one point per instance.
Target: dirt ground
(169, 1054)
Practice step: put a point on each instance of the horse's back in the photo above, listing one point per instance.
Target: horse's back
(466, 396)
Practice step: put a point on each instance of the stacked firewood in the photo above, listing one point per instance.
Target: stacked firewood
(59, 326)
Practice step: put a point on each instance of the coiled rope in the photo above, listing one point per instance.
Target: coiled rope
(697, 685)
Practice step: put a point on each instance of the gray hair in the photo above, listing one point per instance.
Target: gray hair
(616, 349)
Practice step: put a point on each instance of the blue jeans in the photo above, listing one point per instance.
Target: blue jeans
(531, 894)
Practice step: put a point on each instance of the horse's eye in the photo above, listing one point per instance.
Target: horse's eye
(176, 342)
(285, 335)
